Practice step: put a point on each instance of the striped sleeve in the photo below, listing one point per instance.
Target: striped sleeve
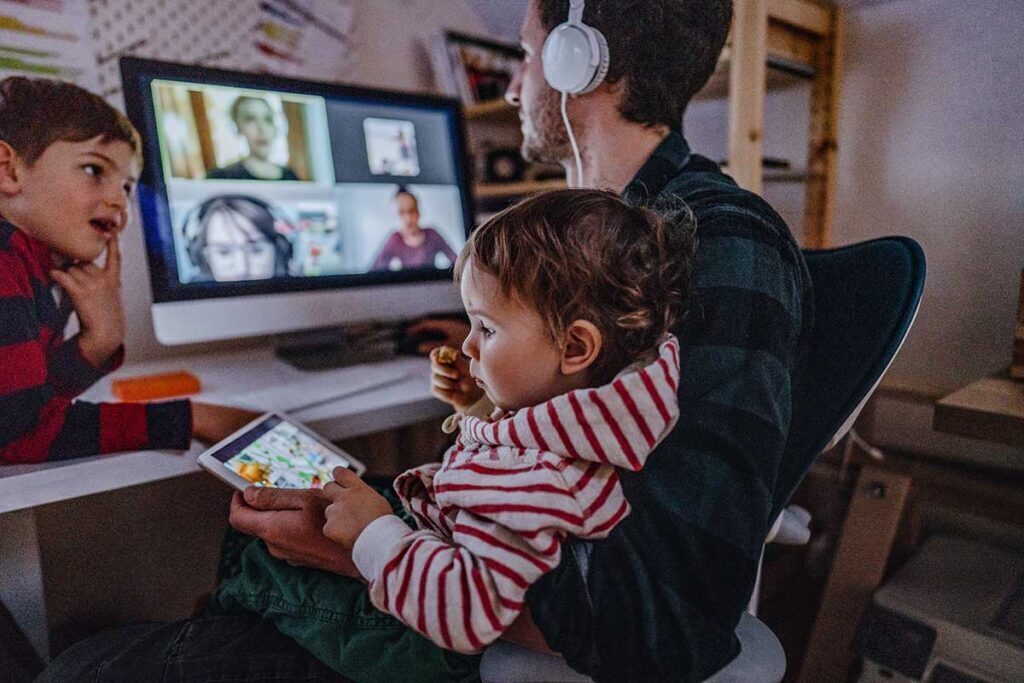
(493, 529)
(38, 420)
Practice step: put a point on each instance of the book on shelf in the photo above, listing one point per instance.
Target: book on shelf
(473, 68)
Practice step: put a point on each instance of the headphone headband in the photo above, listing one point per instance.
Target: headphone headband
(576, 11)
(575, 55)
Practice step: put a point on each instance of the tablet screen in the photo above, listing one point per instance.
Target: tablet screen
(277, 453)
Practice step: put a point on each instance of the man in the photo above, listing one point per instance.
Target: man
(659, 598)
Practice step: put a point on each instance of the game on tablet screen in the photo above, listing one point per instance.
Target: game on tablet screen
(278, 453)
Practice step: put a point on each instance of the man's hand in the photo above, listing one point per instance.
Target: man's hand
(291, 522)
(354, 505)
(96, 296)
(211, 423)
(454, 332)
(451, 382)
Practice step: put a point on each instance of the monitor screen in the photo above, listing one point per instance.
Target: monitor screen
(256, 185)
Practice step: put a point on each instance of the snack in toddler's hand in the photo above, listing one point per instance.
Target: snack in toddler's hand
(446, 355)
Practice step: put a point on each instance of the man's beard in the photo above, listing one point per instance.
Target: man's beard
(545, 140)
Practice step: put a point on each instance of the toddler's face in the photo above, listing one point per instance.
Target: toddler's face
(512, 357)
(75, 196)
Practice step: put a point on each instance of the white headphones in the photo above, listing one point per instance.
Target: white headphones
(575, 56)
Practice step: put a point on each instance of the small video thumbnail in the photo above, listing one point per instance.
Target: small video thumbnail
(237, 237)
(391, 147)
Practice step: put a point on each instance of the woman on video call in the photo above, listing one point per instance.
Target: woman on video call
(412, 246)
(254, 119)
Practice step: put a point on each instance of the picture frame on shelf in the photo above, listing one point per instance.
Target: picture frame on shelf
(473, 68)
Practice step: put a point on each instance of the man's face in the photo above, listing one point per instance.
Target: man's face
(544, 136)
(75, 196)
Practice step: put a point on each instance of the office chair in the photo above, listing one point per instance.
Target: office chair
(866, 296)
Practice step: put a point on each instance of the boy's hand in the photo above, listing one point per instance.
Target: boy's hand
(354, 505)
(212, 423)
(451, 381)
(96, 296)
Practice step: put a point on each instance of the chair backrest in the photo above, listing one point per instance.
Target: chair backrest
(865, 298)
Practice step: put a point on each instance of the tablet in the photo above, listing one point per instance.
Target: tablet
(275, 450)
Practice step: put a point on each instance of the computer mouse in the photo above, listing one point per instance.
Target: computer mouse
(409, 344)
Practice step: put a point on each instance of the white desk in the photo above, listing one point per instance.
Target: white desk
(23, 487)
(389, 407)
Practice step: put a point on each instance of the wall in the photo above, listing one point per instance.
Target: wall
(932, 146)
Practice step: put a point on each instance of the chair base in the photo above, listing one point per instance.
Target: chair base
(761, 660)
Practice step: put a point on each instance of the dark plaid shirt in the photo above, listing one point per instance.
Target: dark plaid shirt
(660, 597)
(41, 374)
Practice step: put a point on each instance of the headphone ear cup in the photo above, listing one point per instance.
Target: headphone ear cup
(193, 245)
(566, 57)
(569, 58)
(604, 59)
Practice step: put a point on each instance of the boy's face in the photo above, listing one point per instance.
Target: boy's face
(74, 198)
(512, 357)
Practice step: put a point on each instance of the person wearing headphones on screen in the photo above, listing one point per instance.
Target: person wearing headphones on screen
(230, 238)
(659, 598)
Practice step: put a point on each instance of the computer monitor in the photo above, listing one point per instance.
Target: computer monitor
(272, 205)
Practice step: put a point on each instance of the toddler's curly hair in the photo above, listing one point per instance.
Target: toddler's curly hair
(586, 254)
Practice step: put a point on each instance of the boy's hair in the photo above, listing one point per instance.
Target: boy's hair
(663, 51)
(586, 254)
(37, 112)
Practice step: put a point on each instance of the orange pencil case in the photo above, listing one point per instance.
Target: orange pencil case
(152, 387)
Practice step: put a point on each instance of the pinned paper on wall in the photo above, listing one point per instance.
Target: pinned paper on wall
(46, 38)
(81, 40)
(285, 37)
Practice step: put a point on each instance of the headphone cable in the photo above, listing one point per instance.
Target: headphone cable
(572, 141)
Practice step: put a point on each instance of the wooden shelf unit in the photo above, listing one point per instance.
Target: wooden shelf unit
(517, 189)
(800, 39)
(773, 44)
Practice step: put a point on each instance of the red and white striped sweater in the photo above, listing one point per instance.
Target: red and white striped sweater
(492, 516)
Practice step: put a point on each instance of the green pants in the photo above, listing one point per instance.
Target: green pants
(331, 616)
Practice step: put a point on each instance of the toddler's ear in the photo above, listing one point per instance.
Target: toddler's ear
(581, 346)
(10, 183)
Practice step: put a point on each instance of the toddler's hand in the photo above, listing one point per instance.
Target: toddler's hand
(450, 380)
(96, 296)
(354, 505)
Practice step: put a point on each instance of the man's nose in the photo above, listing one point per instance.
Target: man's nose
(512, 93)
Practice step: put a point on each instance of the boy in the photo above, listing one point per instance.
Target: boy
(571, 295)
(68, 163)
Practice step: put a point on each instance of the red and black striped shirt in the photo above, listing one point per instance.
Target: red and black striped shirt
(41, 373)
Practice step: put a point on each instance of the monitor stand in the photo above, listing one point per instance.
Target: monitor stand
(371, 342)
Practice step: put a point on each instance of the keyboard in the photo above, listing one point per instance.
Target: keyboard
(324, 387)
